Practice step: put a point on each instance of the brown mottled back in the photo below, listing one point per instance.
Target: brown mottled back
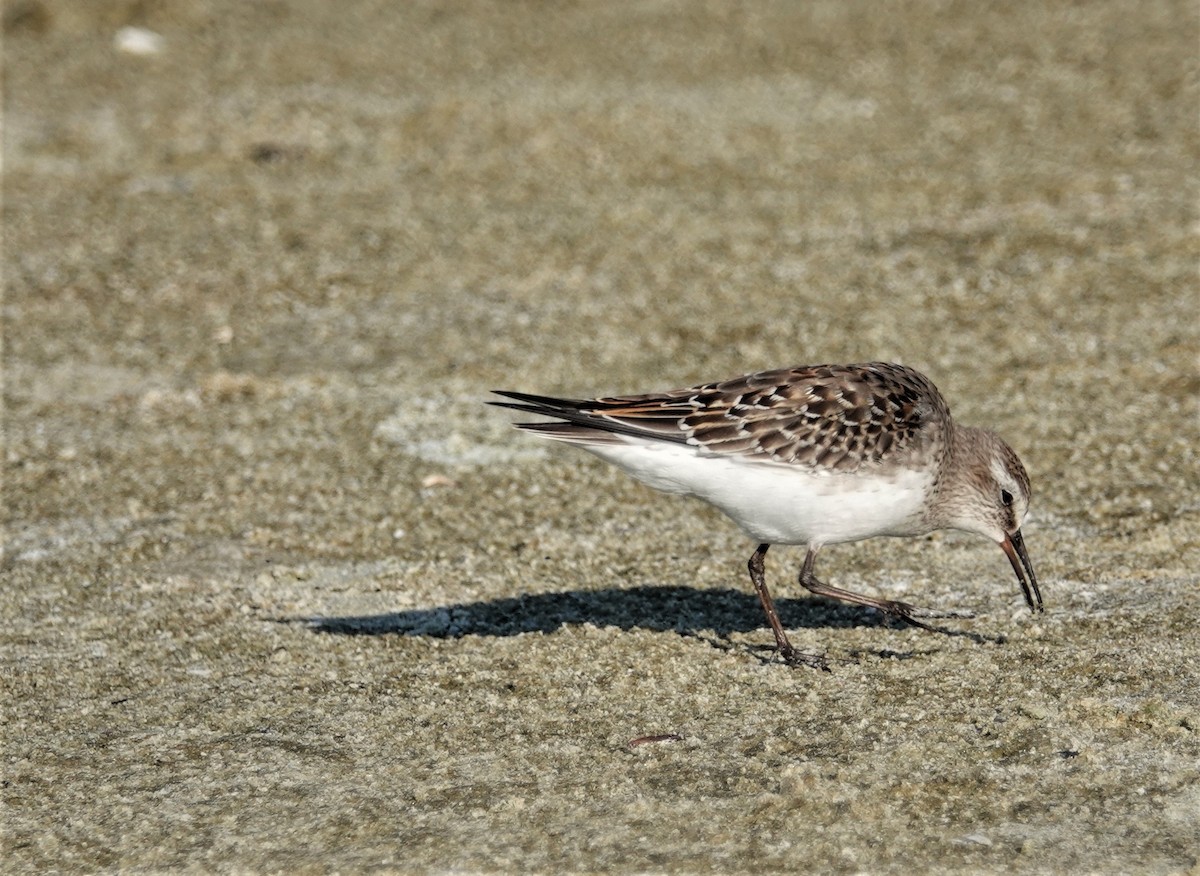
(835, 417)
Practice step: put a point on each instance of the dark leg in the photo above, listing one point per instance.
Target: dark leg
(789, 654)
(892, 608)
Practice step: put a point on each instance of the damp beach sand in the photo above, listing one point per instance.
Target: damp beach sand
(281, 594)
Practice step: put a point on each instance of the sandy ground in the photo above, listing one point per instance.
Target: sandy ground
(280, 594)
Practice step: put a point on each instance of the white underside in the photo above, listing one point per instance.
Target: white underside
(779, 504)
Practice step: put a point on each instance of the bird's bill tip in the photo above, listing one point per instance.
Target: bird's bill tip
(1014, 548)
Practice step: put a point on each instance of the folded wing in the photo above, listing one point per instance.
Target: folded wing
(834, 417)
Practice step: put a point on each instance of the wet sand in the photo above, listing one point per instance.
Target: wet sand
(282, 595)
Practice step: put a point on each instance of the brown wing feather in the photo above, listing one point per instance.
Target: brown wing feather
(837, 417)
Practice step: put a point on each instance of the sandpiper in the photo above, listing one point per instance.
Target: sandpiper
(811, 455)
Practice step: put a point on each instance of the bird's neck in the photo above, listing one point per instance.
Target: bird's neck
(956, 485)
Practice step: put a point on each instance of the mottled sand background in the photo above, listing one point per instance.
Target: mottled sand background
(281, 595)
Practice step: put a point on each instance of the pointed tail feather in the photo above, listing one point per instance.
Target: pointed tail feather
(583, 422)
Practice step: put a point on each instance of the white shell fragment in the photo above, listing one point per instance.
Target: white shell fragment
(138, 41)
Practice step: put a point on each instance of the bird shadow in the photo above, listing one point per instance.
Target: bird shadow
(681, 609)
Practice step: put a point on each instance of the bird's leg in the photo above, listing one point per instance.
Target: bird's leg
(789, 654)
(891, 607)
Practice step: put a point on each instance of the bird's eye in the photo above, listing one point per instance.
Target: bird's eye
(1006, 497)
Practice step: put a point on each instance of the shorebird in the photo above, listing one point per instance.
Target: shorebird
(811, 455)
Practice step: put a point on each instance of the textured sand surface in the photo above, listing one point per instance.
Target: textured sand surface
(281, 595)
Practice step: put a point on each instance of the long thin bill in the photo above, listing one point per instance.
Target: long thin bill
(1014, 548)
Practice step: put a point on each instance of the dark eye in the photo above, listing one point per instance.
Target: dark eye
(1006, 498)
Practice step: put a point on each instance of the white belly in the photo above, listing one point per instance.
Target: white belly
(780, 504)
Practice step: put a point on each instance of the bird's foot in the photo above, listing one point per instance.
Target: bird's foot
(792, 657)
(911, 614)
